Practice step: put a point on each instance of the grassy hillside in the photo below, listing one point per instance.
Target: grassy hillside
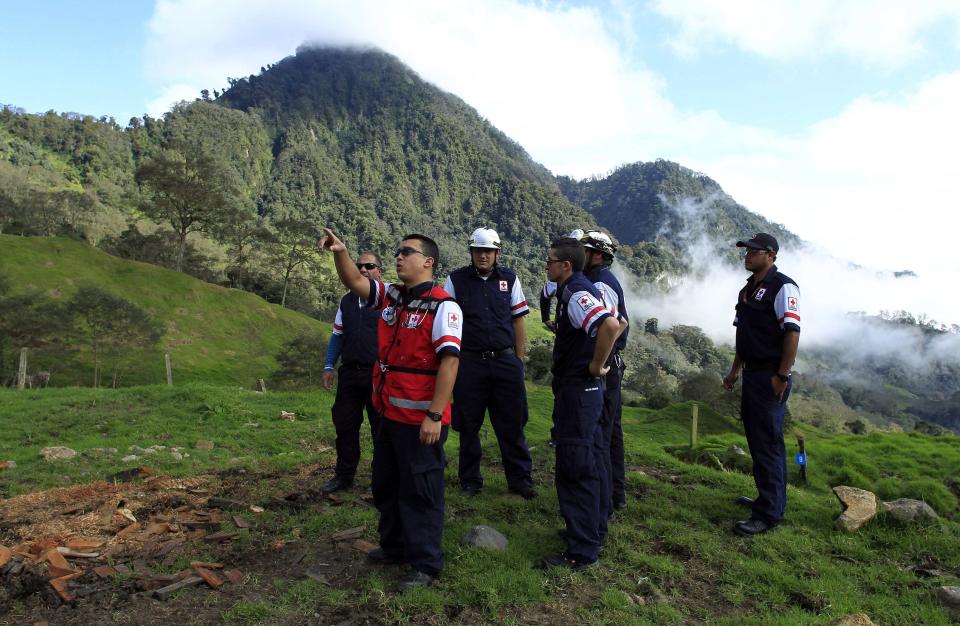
(674, 536)
(214, 334)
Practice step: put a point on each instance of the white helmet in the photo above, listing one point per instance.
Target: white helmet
(577, 234)
(600, 242)
(485, 238)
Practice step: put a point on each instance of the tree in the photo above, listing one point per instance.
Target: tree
(190, 189)
(26, 321)
(293, 251)
(110, 326)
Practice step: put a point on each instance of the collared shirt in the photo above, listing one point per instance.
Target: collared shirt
(764, 312)
(490, 304)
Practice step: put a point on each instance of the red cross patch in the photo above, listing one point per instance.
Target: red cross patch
(792, 304)
(585, 302)
(453, 320)
(503, 285)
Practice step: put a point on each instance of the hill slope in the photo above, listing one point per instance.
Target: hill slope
(214, 334)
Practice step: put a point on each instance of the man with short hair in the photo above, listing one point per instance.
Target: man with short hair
(354, 340)
(586, 332)
(418, 353)
(600, 252)
(768, 334)
(491, 365)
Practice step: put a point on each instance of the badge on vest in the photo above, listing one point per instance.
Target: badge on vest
(413, 320)
(503, 285)
(760, 293)
(389, 315)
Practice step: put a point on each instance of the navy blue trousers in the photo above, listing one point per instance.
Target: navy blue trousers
(495, 384)
(612, 425)
(581, 476)
(763, 414)
(408, 491)
(354, 393)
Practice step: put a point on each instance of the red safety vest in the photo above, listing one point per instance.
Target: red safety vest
(406, 374)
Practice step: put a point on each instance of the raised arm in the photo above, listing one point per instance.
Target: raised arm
(349, 275)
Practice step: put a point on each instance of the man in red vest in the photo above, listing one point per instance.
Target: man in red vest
(418, 351)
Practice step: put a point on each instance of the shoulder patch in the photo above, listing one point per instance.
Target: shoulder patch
(792, 303)
(585, 302)
(453, 320)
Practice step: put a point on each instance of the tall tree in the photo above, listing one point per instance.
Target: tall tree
(188, 188)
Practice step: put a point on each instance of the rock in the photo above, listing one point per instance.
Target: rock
(857, 619)
(950, 598)
(100, 451)
(176, 456)
(860, 506)
(203, 445)
(485, 537)
(290, 417)
(906, 511)
(736, 450)
(130, 458)
(7, 465)
(57, 453)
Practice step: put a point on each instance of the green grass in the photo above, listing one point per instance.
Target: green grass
(674, 536)
(214, 334)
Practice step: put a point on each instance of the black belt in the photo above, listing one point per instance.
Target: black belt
(761, 366)
(490, 354)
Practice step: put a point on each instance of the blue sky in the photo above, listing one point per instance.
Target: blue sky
(834, 117)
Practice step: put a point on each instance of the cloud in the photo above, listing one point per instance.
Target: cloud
(169, 97)
(888, 33)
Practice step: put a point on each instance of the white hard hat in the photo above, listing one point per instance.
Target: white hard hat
(576, 233)
(485, 238)
(601, 242)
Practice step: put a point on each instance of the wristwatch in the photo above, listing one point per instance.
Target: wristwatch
(434, 416)
(783, 377)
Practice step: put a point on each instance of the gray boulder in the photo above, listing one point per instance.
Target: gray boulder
(860, 506)
(485, 537)
(950, 598)
(857, 619)
(57, 453)
(907, 511)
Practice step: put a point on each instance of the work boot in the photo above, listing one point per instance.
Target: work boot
(744, 501)
(416, 579)
(552, 561)
(378, 556)
(337, 483)
(751, 527)
(471, 489)
(526, 492)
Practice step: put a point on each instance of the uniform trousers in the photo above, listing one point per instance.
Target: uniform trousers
(581, 476)
(763, 413)
(613, 437)
(354, 393)
(496, 384)
(408, 491)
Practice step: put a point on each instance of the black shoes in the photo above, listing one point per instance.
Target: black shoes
(552, 561)
(336, 484)
(471, 489)
(751, 527)
(526, 492)
(744, 501)
(416, 579)
(378, 556)
(619, 505)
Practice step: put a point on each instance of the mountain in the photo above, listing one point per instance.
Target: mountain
(663, 205)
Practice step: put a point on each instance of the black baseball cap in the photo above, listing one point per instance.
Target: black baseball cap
(760, 241)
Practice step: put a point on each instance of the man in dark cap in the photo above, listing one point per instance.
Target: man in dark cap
(768, 333)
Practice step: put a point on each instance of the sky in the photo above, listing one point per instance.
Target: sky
(836, 118)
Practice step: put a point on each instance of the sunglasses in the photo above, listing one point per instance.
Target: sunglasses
(406, 251)
(549, 261)
(750, 251)
(367, 266)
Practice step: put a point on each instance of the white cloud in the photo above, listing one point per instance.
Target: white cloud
(169, 97)
(884, 32)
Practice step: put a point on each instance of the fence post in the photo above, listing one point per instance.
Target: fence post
(22, 370)
(262, 385)
(166, 360)
(694, 420)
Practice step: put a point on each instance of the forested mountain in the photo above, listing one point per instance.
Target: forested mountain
(644, 203)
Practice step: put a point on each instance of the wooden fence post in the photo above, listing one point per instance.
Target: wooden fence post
(22, 371)
(694, 424)
(166, 360)
(262, 386)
